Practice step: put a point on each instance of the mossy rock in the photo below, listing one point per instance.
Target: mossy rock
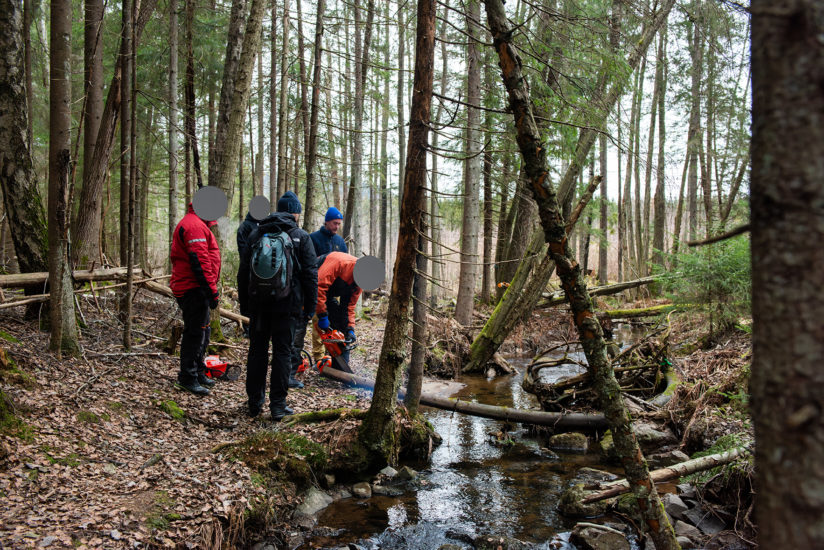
(10, 372)
(283, 456)
(570, 504)
(571, 441)
(627, 505)
(9, 423)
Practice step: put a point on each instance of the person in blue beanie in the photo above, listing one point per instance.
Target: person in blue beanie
(326, 239)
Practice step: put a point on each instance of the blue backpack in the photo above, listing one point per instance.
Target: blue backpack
(272, 267)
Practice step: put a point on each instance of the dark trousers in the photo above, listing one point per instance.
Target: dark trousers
(297, 344)
(196, 331)
(243, 289)
(279, 328)
(338, 310)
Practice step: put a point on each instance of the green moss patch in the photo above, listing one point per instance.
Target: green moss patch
(10, 424)
(159, 516)
(172, 409)
(8, 337)
(282, 455)
(88, 417)
(11, 373)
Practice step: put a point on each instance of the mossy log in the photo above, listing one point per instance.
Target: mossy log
(326, 415)
(639, 312)
(559, 297)
(17, 280)
(559, 422)
(675, 471)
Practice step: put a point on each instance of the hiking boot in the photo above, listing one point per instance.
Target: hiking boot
(295, 383)
(193, 387)
(280, 412)
(205, 381)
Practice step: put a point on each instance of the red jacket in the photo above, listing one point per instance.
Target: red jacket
(195, 256)
(338, 269)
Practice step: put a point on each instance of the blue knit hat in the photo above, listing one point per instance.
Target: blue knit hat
(289, 203)
(333, 214)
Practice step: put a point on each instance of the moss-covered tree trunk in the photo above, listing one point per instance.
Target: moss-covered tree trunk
(552, 222)
(378, 428)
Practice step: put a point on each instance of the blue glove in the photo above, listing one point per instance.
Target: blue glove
(323, 323)
(350, 336)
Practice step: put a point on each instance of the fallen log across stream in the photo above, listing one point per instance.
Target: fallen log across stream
(559, 297)
(559, 422)
(675, 471)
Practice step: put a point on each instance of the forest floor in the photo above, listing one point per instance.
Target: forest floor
(103, 451)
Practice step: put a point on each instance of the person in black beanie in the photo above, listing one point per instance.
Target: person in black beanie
(275, 319)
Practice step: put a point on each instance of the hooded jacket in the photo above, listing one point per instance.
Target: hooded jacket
(303, 299)
(195, 256)
(336, 277)
(244, 230)
(325, 242)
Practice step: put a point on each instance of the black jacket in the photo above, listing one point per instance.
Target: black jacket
(304, 297)
(243, 231)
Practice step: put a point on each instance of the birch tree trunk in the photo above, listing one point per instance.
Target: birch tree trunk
(21, 198)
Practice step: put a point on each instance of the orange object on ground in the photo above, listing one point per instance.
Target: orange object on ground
(215, 367)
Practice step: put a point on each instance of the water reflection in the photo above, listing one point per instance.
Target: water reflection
(472, 485)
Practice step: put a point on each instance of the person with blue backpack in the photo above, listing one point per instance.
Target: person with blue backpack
(283, 283)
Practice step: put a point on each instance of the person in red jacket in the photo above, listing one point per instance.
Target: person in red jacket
(338, 295)
(195, 271)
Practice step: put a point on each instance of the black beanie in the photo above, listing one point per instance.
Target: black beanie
(289, 203)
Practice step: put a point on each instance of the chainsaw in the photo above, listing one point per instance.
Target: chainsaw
(335, 343)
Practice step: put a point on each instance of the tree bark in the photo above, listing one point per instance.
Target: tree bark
(93, 87)
(660, 202)
(787, 218)
(87, 227)
(21, 198)
(311, 150)
(227, 157)
(283, 161)
(377, 429)
(125, 132)
(234, 45)
(592, 340)
(173, 47)
(468, 276)
(63, 324)
(603, 242)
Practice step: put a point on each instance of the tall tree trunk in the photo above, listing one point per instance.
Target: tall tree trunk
(63, 324)
(130, 220)
(414, 383)
(229, 154)
(378, 428)
(234, 45)
(274, 152)
(384, 174)
(257, 184)
(787, 218)
(486, 279)
(504, 223)
(334, 175)
(27, 18)
(304, 87)
(694, 131)
(659, 217)
(87, 227)
(399, 99)
(125, 134)
(311, 150)
(640, 259)
(21, 198)
(93, 88)
(603, 244)
(173, 46)
(283, 105)
(468, 276)
(361, 66)
(189, 94)
(592, 340)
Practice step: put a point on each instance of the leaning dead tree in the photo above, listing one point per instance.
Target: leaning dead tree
(572, 280)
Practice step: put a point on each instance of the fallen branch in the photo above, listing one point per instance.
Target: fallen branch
(166, 291)
(556, 298)
(560, 422)
(621, 486)
(45, 297)
(639, 312)
(723, 236)
(80, 276)
(327, 415)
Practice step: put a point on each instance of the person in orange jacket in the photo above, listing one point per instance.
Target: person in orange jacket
(338, 295)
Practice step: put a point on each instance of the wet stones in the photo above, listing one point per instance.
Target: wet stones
(314, 501)
(571, 441)
(362, 490)
(570, 504)
(591, 536)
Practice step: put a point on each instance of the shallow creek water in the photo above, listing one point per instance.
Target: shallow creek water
(472, 485)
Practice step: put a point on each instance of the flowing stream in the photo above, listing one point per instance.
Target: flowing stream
(473, 485)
